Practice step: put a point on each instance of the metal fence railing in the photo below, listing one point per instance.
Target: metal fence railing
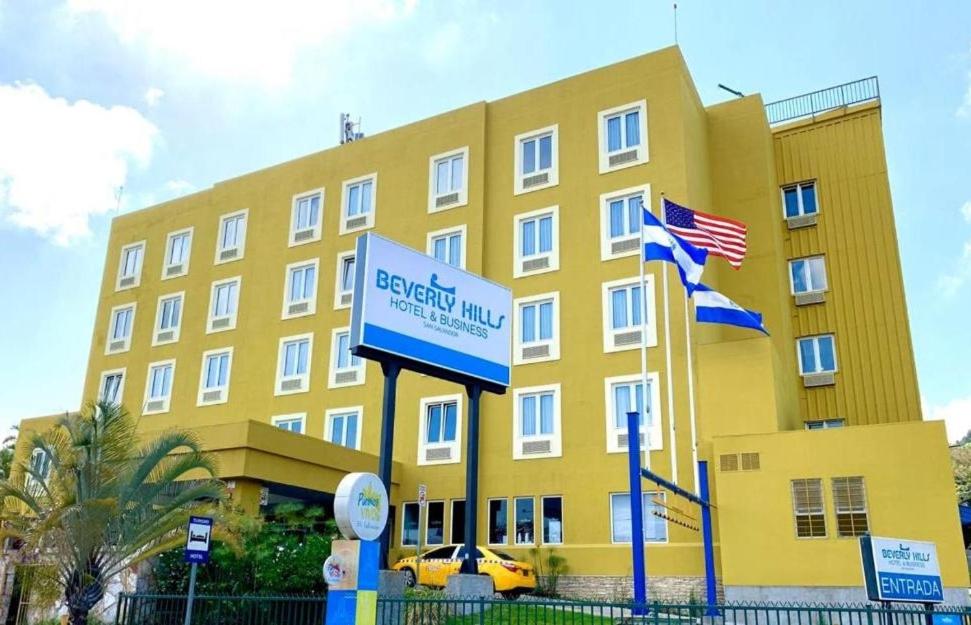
(823, 100)
(258, 610)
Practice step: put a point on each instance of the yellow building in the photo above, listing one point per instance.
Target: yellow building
(226, 311)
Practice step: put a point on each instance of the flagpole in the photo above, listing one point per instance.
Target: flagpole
(691, 394)
(672, 441)
(647, 433)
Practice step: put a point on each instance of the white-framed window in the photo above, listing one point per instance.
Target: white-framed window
(524, 513)
(536, 426)
(621, 519)
(111, 388)
(121, 322)
(825, 424)
(158, 386)
(342, 426)
(498, 510)
(300, 289)
(799, 200)
(440, 430)
(849, 503)
(817, 354)
(808, 508)
(623, 311)
(40, 467)
(168, 318)
(536, 160)
(178, 249)
(622, 134)
(448, 246)
(536, 328)
(130, 266)
(625, 393)
(536, 241)
(409, 524)
(293, 364)
(435, 529)
(621, 221)
(296, 423)
(346, 369)
(551, 513)
(217, 365)
(306, 215)
(223, 305)
(231, 237)
(448, 180)
(358, 203)
(344, 281)
(807, 275)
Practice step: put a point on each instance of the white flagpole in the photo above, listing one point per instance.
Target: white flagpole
(647, 433)
(691, 395)
(672, 441)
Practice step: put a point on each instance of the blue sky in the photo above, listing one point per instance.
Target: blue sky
(167, 96)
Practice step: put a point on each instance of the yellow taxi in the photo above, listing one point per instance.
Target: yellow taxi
(508, 574)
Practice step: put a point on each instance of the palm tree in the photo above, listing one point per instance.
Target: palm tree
(101, 500)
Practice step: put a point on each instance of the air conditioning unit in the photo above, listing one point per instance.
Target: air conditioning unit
(293, 384)
(751, 461)
(165, 336)
(818, 379)
(535, 264)
(115, 346)
(535, 351)
(127, 281)
(303, 235)
(220, 323)
(299, 308)
(536, 180)
(155, 405)
(174, 270)
(446, 200)
(346, 299)
(345, 377)
(229, 254)
(728, 462)
(627, 245)
(801, 221)
(624, 339)
(622, 157)
(356, 222)
(433, 454)
(530, 448)
(622, 440)
(814, 297)
(210, 396)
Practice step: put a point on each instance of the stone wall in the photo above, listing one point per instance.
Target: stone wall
(620, 588)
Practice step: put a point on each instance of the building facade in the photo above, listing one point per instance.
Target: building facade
(227, 312)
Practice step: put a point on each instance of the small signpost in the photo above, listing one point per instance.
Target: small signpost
(196, 553)
(422, 502)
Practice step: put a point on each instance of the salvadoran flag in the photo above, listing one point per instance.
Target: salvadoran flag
(660, 244)
(713, 307)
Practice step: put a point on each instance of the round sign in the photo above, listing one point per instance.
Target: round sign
(334, 570)
(361, 506)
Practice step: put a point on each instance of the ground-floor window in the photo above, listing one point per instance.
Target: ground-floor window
(498, 522)
(409, 525)
(655, 527)
(435, 523)
(525, 526)
(552, 520)
(458, 521)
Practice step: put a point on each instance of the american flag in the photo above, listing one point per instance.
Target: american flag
(719, 235)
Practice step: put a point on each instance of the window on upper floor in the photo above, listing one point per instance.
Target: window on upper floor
(358, 203)
(621, 220)
(623, 314)
(342, 426)
(344, 291)
(536, 160)
(536, 242)
(223, 305)
(306, 217)
(300, 290)
(168, 319)
(112, 386)
(158, 387)
(293, 364)
(448, 246)
(178, 248)
(39, 468)
(625, 394)
(536, 328)
(799, 204)
(130, 266)
(655, 527)
(214, 378)
(291, 422)
(825, 424)
(807, 275)
(448, 180)
(817, 354)
(440, 430)
(623, 136)
(346, 369)
(849, 500)
(120, 324)
(808, 509)
(536, 422)
(231, 238)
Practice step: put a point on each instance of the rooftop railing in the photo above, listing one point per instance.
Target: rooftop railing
(823, 100)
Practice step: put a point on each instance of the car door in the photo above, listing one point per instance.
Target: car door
(434, 566)
(456, 564)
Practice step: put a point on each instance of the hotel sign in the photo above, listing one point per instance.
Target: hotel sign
(431, 316)
(901, 570)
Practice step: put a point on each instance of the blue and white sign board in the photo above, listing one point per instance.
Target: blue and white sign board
(431, 316)
(901, 570)
(197, 542)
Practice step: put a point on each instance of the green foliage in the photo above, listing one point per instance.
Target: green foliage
(282, 555)
(961, 466)
(548, 566)
(7, 449)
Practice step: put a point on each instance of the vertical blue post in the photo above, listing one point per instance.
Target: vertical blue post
(391, 370)
(705, 494)
(636, 513)
(470, 565)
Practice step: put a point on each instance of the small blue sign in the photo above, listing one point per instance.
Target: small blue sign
(947, 619)
(197, 542)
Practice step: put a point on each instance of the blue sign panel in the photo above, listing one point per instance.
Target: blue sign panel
(901, 570)
(413, 307)
(197, 542)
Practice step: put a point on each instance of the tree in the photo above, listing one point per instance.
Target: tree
(7, 448)
(961, 465)
(101, 500)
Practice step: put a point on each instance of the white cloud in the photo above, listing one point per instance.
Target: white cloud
(966, 211)
(246, 40)
(153, 95)
(62, 162)
(956, 415)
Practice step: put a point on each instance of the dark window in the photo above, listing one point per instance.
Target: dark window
(458, 521)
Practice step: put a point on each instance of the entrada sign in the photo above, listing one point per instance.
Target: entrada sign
(901, 570)
(413, 307)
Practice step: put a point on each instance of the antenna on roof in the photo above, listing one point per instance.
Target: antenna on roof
(350, 130)
(675, 23)
(118, 193)
(730, 90)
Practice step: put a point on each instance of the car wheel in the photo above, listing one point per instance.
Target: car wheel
(409, 578)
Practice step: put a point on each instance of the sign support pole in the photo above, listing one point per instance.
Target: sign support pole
(706, 532)
(637, 515)
(192, 593)
(470, 564)
(391, 369)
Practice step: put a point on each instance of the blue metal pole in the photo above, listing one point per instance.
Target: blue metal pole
(636, 513)
(470, 565)
(710, 594)
(386, 457)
